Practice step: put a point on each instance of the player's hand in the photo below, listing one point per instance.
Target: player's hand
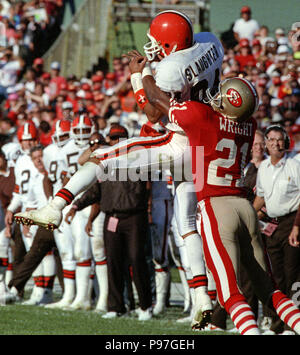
(26, 231)
(70, 215)
(136, 62)
(7, 232)
(89, 228)
(132, 54)
(8, 218)
(293, 237)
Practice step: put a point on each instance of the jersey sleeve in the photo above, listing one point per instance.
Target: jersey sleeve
(168, 77)
(187, 115)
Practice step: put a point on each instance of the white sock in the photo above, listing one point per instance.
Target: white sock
(82, 283)
(83, 178)
(102, 278)
(194, 252)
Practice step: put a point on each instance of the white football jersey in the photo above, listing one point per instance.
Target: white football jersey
(24, 172)
(55, 165)
(36, 197)
(191, 71)
(70, 153)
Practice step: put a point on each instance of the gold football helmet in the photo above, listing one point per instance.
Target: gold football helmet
(236, 99)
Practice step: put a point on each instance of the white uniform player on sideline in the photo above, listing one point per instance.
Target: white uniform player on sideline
(25, 171)
(37, 198)
(56, 167)
(196, 67)
(81, 129)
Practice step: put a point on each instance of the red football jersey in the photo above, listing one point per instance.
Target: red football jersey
(220, 148)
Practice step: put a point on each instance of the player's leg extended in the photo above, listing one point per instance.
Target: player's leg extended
(134, 153)
(218, 223)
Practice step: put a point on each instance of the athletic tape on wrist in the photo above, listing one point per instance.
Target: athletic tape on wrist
(136, 82)
(147, 70)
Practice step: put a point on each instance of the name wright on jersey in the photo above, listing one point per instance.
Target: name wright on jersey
(244, 128)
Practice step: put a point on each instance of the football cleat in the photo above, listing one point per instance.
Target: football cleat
(144, 315)
(201, 320)
(63, 303)
(79, 305)
(46, 217)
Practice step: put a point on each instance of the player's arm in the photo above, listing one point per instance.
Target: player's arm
(157, 98)
(137, 71)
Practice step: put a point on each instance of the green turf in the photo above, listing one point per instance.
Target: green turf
(36, 320)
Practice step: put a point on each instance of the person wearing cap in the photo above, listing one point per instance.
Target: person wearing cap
(281, 37)
(56, 80)
(256, 48)
(38, 66)
(275, 84)
(245, 57)
(67, 110)
(245, 26)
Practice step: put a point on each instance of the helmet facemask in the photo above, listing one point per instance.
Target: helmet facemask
(56, 138)
(154, 48)
(236, 99)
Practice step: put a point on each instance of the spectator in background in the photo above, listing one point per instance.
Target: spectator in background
(38, 96)
(38, 66)
(281, 198)
(245, 56)
(10, 67)
(294, 37)
(56, 81)
(295, 132)
(245, 26)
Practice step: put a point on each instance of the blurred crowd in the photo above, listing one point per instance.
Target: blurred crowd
(272, 64)
(28, 92)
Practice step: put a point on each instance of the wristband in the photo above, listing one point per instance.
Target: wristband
(147, 70)
(136, 82)
(140, 98)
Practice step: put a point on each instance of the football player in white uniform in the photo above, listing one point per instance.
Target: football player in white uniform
(55, 164)
(37, 198)
(81, 129)
(196, 72)
(25, 171)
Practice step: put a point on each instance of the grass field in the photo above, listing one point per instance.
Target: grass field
(17, 319)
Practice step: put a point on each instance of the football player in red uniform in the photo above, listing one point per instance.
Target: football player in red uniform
(227, 221)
